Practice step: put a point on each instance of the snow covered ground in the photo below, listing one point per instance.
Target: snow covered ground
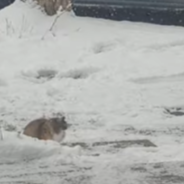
(112, 80)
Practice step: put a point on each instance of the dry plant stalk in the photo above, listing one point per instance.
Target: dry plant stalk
(55, 20)
(51, 27)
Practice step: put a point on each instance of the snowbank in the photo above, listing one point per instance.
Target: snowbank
(112, 80)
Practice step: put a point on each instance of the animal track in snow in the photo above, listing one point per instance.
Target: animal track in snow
(157, 79)
(40, 75)
(105, 46)
(174, 111)
(79, 73)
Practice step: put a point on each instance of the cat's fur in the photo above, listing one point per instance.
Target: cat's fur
(47, 129)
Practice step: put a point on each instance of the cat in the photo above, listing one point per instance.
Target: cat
(47, 129)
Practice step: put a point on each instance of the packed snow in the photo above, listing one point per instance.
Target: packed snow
(112, 80)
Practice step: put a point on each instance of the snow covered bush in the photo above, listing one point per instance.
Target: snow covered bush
(52, 6)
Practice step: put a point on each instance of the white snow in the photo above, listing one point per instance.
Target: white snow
(112, 81)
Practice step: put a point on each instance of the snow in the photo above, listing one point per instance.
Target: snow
(112, 81)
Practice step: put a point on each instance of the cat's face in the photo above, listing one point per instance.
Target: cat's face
(60, 123)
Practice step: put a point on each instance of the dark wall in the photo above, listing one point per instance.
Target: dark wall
(164, 12)
(134, 3)
(4, 3)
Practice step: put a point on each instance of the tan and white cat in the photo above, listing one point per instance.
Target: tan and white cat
(47, 129)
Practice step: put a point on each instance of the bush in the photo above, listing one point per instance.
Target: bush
(52, 6)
